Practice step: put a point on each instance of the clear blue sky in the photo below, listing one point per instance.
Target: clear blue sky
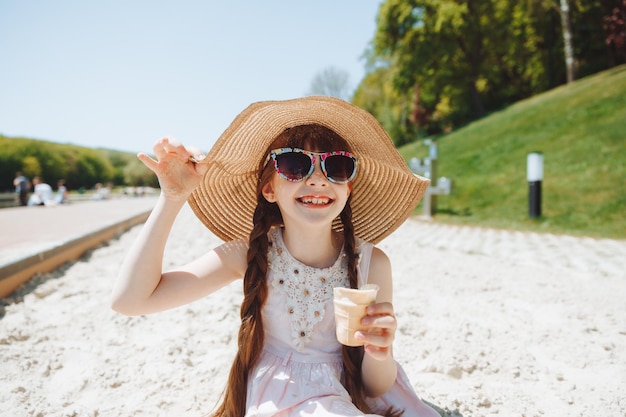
(122, 73)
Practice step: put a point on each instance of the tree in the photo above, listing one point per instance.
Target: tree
(31, 166)
(469, 56)
(332, 82)
(584, 36)
(377, 95)
(79, 166)
(615, 30)
(137, 174)
(568, 48)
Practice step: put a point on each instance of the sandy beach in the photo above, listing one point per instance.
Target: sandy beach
(491, 323)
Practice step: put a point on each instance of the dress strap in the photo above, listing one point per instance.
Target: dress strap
(363, 268)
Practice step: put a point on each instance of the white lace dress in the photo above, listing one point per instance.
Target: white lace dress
(299, 370)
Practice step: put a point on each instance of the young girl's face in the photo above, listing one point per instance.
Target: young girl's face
(314, 200)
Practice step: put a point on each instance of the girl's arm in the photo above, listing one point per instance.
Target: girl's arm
(379, 367)
(142, 287)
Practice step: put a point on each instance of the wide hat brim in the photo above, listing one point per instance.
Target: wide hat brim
(384, 192)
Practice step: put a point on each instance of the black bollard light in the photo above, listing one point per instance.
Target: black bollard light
(534, 175)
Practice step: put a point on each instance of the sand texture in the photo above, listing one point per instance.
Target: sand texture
(491, 323)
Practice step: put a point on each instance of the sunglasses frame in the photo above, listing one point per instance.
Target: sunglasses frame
(313, 156)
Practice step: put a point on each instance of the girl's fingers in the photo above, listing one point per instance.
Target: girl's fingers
(171, 142)
(377, 352)
(195, 153)
(381, 340)
(159, 147)
(387, 321)
(380, 309)
(380, 315)
(172, 145)
(381, 327)
(169, 146)
(150, 163)
(377, 346)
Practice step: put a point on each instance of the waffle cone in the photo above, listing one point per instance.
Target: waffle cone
(350, 307)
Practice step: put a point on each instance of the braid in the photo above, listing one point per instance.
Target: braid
(352, 356)
(352, 377)
(251, 335)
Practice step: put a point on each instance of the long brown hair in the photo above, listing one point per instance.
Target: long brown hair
(251, 335)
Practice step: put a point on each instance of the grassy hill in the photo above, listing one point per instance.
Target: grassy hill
(581, 131)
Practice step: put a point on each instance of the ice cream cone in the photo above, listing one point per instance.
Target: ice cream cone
(350, 307)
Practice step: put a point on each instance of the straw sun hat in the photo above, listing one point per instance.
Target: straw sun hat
(384, 190)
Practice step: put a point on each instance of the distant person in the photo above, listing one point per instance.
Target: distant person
(42, 193)
(102, 192)
(62, 196)
(22, 187)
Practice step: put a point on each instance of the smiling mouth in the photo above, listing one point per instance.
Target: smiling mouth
(316, 201)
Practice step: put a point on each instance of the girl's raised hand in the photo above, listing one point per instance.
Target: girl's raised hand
(381, 328)
(178, 168)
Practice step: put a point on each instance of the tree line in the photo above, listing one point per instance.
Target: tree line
(436, 65)
(80, 167)
(432, 66)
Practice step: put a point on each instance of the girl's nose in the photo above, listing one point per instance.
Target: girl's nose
(317, 177)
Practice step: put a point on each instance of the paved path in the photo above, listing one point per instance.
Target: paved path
(39, 239)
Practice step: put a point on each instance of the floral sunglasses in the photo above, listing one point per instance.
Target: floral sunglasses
(295, 164)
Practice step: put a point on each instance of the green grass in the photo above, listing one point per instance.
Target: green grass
(580, 129)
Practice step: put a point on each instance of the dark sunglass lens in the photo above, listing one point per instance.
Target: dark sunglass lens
(294, 165)
(339, 167)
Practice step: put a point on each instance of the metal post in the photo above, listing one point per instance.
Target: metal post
(432, 157)
(534, 175)
(428, 168)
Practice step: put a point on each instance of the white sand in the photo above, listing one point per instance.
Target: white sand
(491, 323)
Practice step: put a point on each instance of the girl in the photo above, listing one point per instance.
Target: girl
(299, 190)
